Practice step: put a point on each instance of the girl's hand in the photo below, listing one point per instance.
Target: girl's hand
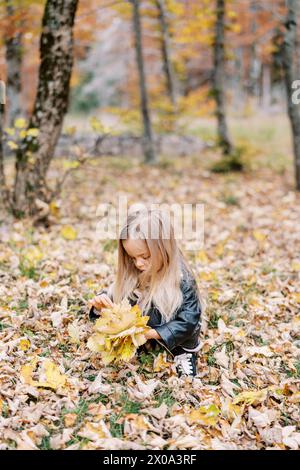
(100, 301)
(152, 334)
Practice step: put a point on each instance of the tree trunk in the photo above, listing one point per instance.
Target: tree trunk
(2, 175)
(148, 137)
(35, 153)
(238, 89)
(290, 75)
(219, 71)
(266, 87)
(255, 65)
(4, 191)
(165, 49)
(13, 61)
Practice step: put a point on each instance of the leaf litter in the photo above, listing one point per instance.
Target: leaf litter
(58, 394)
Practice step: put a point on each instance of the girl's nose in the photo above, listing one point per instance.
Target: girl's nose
(139, 264)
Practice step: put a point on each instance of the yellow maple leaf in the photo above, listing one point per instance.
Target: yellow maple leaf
(32, 256)
(70, 130)
(219, 250)
(251, 397)
(127, 349)
(67, 164)
(160, 362)
(214, 294)
(54, 208)
(231, 411)
(53, 377)
(12, 145)
(98, 126)
(206, 415)
(118, 332)
(68, 232)
(24, 344)
(202, 256)
(138, 421)
(33, 132)
(50, 375)
(96, 343)
(259, 236)
(296, 266)
(27, 371)
(208, 276)
(10, 131)
(20, 123)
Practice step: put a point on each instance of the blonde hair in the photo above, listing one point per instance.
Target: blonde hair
(160, 282)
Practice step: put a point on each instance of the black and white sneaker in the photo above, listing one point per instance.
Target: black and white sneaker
(186, 364)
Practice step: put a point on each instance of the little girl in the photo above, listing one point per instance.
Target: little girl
(153, 273)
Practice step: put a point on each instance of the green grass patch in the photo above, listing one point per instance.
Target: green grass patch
(28, 271)
(213, 321)
(78, 440)
(23, 305)
(45, 443)
(4, 325)
(291, 373)
(116, 429)
(165, 396)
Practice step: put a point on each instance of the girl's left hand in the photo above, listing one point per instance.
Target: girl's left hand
(152, 334)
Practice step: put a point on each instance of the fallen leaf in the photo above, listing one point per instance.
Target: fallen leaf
(251, 397)
(206, 415)
(68, 232)
(74, 332)
(118, 332)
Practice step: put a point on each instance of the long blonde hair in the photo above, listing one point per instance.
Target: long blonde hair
(160, 282)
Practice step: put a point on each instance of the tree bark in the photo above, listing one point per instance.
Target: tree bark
(255, 64)
(290, 75)
(238, 89)
(219, 72)
(5, 196)
(35, 153)
(2, 175)
(148, 144)
(165, 49)
(13, 61)
(266, 87)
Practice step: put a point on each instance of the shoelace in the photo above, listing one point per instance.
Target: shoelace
(184, 363)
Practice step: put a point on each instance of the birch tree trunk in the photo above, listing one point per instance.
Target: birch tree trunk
(219, 72)
(148, 144)
(56, 59)
(290, 75)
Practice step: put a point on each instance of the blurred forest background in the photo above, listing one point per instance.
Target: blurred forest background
(163, 101)
(158, 78)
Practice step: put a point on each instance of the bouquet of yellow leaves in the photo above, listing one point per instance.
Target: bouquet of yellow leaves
(119, 332)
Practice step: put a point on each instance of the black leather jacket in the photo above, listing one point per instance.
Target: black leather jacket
(185, 327)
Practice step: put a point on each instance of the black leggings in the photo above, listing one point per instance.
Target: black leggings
(152, 344)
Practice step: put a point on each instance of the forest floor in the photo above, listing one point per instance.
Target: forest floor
(56, 394)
